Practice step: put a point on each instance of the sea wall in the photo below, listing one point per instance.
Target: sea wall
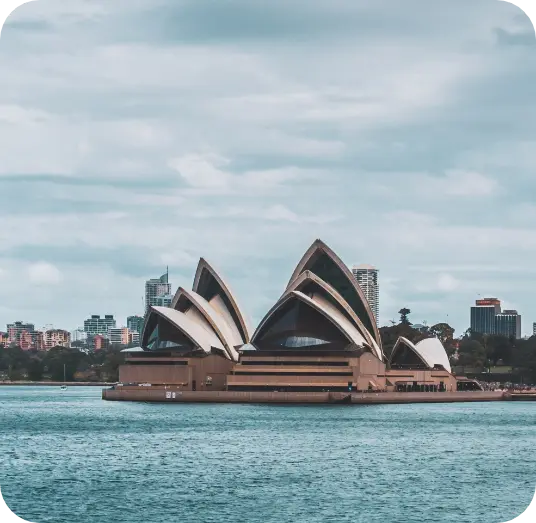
(56, 383)
(149, 394)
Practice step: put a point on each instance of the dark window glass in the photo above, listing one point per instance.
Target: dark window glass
(165, 336)
(324, 267)
(297, 325)
(405, 357)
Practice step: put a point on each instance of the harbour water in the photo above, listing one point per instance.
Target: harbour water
(68, 456)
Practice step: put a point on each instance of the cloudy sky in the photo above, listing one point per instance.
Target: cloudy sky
(136, 134)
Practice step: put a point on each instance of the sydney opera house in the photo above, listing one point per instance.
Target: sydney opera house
(319, 338)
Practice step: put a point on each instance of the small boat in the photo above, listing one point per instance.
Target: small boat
(63, 387)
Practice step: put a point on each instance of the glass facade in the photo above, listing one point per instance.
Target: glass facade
(405, 358)
(508, 324)
(324, 267)
(297, 325)
(483, 319)
(135, 323)
(164, 336)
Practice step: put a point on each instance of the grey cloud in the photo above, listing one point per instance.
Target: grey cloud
(382, 105)
(125, 260)
(506, 38)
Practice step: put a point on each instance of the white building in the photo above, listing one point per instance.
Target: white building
(78, 335)
(367, 277)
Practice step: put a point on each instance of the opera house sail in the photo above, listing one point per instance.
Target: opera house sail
(321, 324)
(319, 336)
(193, 343)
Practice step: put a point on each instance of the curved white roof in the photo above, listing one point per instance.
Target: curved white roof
(203, 267)
(228, 336)
(335, 315)
(324, 307)
(366, 315)
(307, 277)
(432, 350)
(198, 333)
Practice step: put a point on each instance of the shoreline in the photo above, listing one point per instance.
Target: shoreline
(56, 383)
(174, 395)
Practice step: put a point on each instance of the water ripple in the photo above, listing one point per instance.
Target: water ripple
(69, 457)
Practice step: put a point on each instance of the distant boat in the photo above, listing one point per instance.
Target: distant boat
(64, 387)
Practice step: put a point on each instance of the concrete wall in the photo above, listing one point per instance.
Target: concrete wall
(169, 372)
(159, 394)
(155, 374)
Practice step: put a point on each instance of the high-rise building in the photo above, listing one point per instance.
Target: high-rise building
(38, 340)
(99, 342)
(119, 336)
(135, 324)
(14, 330)
(155, 289)
(57, 338)
(367, 277)
(483, 315)
(4, 338)
(134, 337)
(163, 301)
(534, 329)
(78, 335)
(98, 325)
(508, 323)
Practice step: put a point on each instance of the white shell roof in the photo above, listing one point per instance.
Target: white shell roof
(336, 316)
(198, 333)
(228, 336)
(433, 352)
(324, 307)
(320, 247)
(310, 277)
(205, 266)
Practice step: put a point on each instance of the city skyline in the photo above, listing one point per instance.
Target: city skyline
(528, 326)
(133, 167)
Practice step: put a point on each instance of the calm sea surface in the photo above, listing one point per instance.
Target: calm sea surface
(71, 457)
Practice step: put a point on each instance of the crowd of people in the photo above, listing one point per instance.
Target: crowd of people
(508, 387)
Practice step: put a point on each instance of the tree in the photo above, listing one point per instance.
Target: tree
(58, 357)
(500, 348)
(14, 361)
(111, 364)
(391, 334)
(472, 353)
(445, 333)
(404, 313)
(35, 369)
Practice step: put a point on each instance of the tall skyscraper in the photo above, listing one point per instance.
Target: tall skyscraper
(155, 290)
(508, 323)
(367, 277)
(483, 315)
